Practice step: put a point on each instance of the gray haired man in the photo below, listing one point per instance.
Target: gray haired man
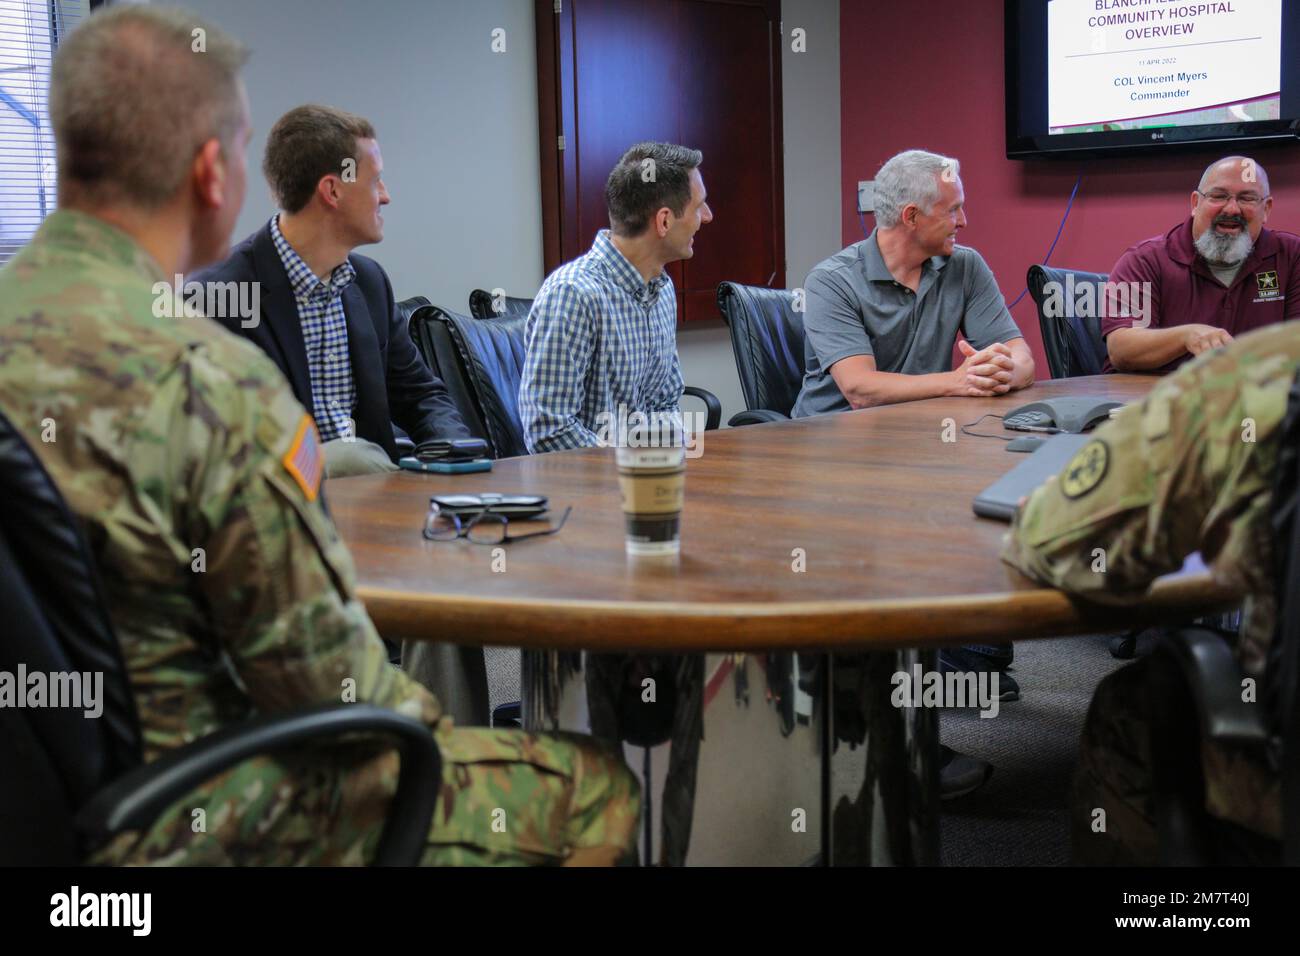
(881, 321)
(883, 314)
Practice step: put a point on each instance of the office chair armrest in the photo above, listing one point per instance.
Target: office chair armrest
(135, 800)
(1196, 681)
(1206, 662)
(713, 407)
(756, 416)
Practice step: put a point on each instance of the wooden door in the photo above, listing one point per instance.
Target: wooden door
(702, 73)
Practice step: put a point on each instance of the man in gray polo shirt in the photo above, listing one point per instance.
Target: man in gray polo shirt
(881, 320)
(882, 316)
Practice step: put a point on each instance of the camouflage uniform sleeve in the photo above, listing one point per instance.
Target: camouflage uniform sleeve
(279, 581)
(1187, 469)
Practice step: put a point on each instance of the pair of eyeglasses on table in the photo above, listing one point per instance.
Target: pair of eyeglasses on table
(484, 527)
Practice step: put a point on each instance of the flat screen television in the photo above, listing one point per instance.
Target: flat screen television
(1094, 77)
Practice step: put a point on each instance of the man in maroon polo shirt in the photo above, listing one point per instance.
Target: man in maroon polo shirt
(1213, 277)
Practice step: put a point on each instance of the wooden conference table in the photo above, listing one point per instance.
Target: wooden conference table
(877, 502)
(873, 505)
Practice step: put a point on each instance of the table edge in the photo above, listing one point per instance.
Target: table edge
(818, 624)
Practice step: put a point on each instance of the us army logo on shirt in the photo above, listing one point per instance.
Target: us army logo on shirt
(1267, 285)
(1086, 469)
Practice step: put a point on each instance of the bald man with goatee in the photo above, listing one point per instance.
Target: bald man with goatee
(1218, 274)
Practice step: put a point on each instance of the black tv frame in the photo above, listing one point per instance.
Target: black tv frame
(1131, 142)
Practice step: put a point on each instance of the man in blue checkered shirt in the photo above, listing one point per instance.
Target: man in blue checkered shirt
(602, 333)
(602, 343)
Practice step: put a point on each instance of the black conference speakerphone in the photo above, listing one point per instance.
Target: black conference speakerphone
(1071, 415)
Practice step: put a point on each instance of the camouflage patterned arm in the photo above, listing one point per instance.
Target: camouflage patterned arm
(279, 580)
(1187, 469)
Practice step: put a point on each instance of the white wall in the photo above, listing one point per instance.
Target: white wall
(811, 110)
(457, 125)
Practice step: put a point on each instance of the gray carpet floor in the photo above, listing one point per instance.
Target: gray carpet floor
(502, 674)
(1019, 817)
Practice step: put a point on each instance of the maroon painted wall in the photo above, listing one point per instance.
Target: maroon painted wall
(929, 74)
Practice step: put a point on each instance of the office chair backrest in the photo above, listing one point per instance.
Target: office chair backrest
(481, 361)
(53, 759)
(433, 343)
(1069, 316)
(407, 308)
(767, 338)
(481, 305)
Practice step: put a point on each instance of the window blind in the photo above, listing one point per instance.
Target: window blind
(30, 31)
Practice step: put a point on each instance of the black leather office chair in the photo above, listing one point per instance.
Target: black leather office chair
(1074, 346)
(768, 341)
(1199, 684)
(481, 305)
(1072, 340)
(481, 361)
(407, 309)
(405, 446)
(73, 783)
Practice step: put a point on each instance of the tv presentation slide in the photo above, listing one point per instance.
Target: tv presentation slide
(1143, 64)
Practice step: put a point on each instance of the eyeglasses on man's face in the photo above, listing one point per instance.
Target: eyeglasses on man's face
(1221, 197)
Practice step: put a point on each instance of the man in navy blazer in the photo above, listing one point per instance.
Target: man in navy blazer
(328, 317)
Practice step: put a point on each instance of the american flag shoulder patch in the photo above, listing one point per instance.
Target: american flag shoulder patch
(304, 459)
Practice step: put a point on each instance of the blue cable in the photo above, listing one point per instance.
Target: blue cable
(1048, 257)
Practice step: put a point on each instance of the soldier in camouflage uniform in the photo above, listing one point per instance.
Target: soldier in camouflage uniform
(196, 476)
(1189, 469)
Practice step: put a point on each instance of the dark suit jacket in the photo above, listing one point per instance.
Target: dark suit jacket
(392, 381)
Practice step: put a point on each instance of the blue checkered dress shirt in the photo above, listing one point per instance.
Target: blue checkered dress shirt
(598, 337)
(325, 334)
